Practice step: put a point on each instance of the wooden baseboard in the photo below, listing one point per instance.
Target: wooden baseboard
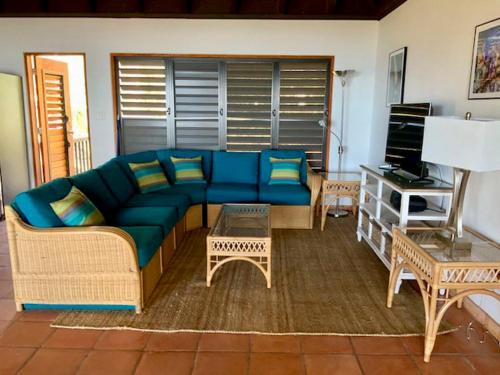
(482, 317)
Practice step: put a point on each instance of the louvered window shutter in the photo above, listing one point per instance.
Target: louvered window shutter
(249, 96)
(197, 104)
(142, 104)
(302, 95)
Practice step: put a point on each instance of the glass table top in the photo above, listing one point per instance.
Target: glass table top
(470, 248)
(243, 220)
(343, 176)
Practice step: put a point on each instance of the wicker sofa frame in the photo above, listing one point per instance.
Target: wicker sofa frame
(85, 265)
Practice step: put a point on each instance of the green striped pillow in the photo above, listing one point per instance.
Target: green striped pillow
(149, 176)
(188, 170)
(285, 171)
(76, 210)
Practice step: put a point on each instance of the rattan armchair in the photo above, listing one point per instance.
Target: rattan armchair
(85, 265)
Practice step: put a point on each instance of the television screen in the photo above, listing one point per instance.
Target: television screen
(405, 137)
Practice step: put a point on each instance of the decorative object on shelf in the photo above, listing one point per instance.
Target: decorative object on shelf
(396, 76)
(484, 78)
(335, 186)
(342, 74)
(465, 145)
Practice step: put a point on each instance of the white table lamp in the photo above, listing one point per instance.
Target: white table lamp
(465, 145)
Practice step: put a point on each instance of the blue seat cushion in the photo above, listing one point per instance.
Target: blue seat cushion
(265, 164)
(34, 204)
(116, 180)
(164, 198)
(292, 195)
(138, 157)
(163, 217)
(196, 192)
(93, 186)
(164, 158)
(235, 167)
(232, 193)
(147, 241)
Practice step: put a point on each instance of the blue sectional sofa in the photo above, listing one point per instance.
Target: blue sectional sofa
(118, 265)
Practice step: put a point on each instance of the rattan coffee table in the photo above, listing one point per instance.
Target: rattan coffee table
(241, 232)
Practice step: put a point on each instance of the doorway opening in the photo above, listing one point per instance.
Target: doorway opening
(57, 90)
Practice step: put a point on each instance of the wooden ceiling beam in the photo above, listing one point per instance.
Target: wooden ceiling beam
(254, 9)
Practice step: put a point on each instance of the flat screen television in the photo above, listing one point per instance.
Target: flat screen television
(405, 137)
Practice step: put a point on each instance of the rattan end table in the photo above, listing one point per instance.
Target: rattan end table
(445, 274)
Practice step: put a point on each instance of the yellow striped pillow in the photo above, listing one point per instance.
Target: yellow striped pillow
(149, 176)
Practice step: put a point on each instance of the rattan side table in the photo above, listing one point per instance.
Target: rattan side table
(441, 268)
(336, 186)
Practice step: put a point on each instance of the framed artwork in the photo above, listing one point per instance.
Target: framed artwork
(396, 77)
(485, 72)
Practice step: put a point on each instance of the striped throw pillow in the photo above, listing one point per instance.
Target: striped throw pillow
(149, 176)
(285, 171)
(76, 210)
(188, 170)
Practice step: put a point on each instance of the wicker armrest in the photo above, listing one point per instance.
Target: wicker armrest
(71, 251)
(314, 184)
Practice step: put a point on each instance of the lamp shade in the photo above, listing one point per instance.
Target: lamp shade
(473, 145)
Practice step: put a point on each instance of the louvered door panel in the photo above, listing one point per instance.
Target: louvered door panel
(196, 104)
(249, 97)
(303, 92)
(55, 119)
(143, 104)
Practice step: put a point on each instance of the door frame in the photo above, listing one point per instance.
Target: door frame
(114, 56)
(35, 147)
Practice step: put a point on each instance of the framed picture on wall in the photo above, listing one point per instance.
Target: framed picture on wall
(485, 72)
(396, 76)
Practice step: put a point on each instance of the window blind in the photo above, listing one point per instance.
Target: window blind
(196, 104)
(208, 103)
(302, 96)
(142, 104)
(249, 102)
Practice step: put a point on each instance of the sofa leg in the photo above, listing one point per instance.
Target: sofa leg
(19, 306)
(138, 309)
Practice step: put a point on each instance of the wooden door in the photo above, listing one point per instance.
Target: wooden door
(54, 113)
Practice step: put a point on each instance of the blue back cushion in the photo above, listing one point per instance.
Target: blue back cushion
(116, 180)
(164, 158)
(235, 167)
(265, 164)
(93, 186)
(34, 204)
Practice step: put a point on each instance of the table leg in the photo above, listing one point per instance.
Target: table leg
(324, 212)
(431, 329)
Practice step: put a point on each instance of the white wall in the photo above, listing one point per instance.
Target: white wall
(439, 36)
(352, 42)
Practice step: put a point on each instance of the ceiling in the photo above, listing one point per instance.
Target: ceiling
(254, 9)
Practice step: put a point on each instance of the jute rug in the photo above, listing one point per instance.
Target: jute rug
(323, 283)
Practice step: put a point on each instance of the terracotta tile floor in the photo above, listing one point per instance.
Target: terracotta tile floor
(28, 345)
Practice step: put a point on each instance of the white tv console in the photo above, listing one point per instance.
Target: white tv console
(377, 216)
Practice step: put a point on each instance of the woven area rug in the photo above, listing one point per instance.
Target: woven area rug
(323, 283)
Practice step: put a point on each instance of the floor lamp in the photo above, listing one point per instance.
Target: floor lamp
(342, 74)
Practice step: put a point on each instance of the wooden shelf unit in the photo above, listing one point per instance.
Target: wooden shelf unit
(377, 216)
